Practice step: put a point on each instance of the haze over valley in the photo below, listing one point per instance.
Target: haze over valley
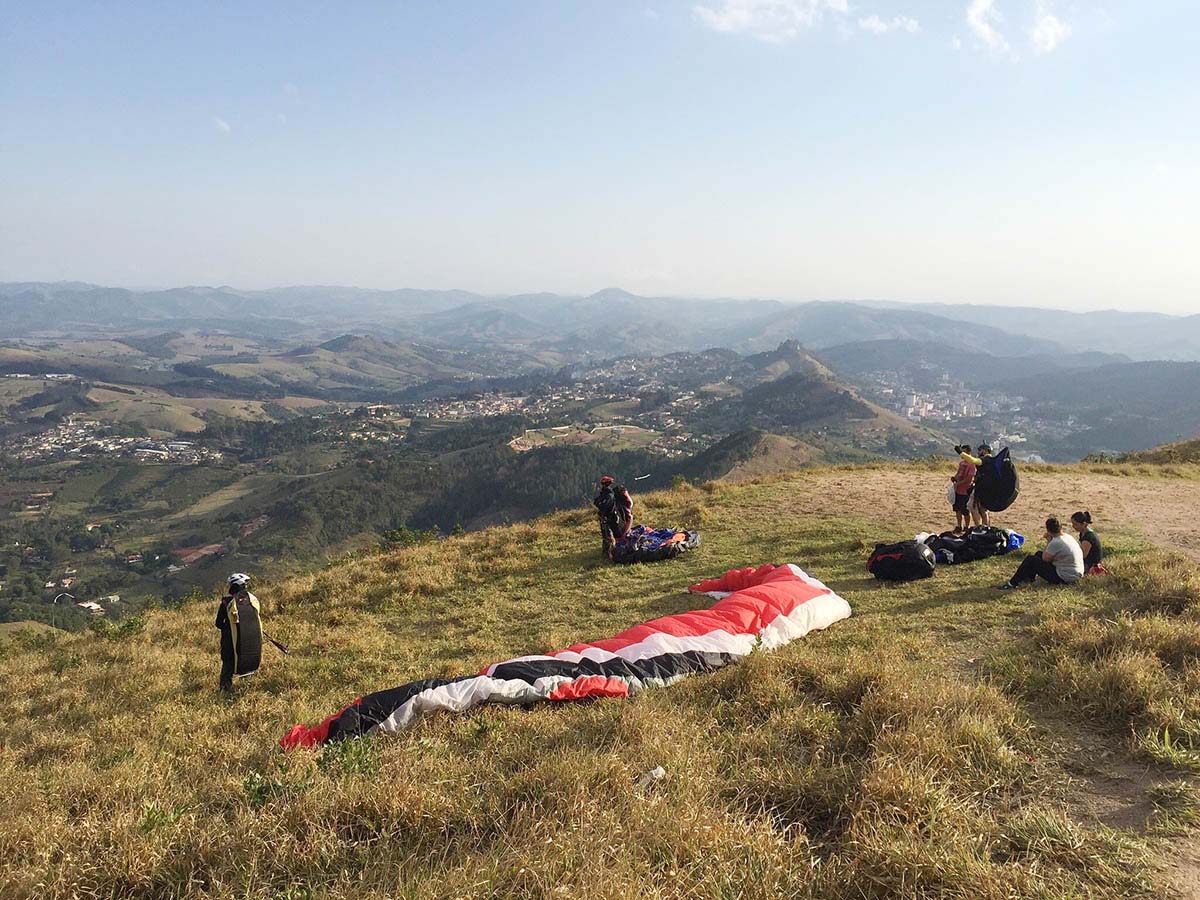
(150, 438)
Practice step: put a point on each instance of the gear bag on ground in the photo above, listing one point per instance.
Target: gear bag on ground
(902, 561)
(644, 544)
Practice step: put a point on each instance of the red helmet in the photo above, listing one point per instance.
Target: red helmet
(606, 479)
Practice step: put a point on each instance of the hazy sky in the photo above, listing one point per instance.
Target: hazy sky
(1027, 151)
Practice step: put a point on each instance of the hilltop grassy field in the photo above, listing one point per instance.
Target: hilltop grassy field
(947, 741)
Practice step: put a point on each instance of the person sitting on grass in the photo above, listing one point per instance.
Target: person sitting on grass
(1089, 542)
(964, 482)
(1060, 563)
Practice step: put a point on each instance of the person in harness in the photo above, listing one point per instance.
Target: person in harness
(614, 507)
(240, 624)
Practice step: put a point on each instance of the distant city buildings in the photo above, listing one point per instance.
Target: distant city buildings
(78, 436)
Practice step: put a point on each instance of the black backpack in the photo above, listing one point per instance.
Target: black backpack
(905, 561)
(606, 502)
(986, 540)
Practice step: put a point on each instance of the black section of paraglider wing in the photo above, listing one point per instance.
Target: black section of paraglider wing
(654, 668)
(360, 718)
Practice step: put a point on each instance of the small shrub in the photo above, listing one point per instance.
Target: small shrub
(261, 789)
(353, 757)
(121, 630)
(155, 817)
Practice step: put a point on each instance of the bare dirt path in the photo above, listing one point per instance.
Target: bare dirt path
(1158, 509)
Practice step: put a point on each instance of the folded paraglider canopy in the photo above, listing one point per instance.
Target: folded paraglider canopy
(997, 483)
(761, 608)
(644, 544)
(979, 542)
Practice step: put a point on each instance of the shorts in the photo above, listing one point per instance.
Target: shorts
(961, 502)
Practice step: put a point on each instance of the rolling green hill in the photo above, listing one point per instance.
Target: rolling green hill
(946, 741)
(1181, 452)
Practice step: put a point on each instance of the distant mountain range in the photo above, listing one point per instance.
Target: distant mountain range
(925, 362)
(550, 329)
(1140, 335)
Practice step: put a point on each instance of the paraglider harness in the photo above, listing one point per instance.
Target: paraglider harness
(240, 623)
(614, 507)
(997, 484)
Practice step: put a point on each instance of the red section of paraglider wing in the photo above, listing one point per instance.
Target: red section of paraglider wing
(590, 686)
(746, 611)
(682, 625)
(734, 580)
(303, 736)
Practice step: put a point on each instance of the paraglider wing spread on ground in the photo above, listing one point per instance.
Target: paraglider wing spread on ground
(765, 607)
(644, 544)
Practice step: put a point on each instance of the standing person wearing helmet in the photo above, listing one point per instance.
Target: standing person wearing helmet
(240, 623)
(614, 506)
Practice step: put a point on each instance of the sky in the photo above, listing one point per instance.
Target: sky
(1025, 152)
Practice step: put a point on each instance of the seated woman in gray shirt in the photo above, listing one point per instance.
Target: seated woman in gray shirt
(1060, 563)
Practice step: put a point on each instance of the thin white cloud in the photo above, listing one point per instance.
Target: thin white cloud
(1048, 31)
(768, 20)
(984, 19)
(876, 25)
(221, 125)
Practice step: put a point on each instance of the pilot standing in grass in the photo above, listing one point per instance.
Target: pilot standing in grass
(240, 623)
(614, 506)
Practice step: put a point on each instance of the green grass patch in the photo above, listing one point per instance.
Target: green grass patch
(1127, 658)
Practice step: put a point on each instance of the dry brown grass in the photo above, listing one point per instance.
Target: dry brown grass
(864, 762)
(1128, 659)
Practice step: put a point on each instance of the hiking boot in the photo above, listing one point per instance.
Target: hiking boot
(1007, 586)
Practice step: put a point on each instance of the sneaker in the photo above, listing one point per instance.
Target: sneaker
(1007, 586)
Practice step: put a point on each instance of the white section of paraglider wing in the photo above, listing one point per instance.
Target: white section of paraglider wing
(717, 595)
(459, 696)
(812, 615)
(661, 644)
(810, 580)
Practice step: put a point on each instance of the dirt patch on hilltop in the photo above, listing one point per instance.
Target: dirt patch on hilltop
(1159, 509)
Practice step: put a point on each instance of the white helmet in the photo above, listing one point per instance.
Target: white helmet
(239, 581)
